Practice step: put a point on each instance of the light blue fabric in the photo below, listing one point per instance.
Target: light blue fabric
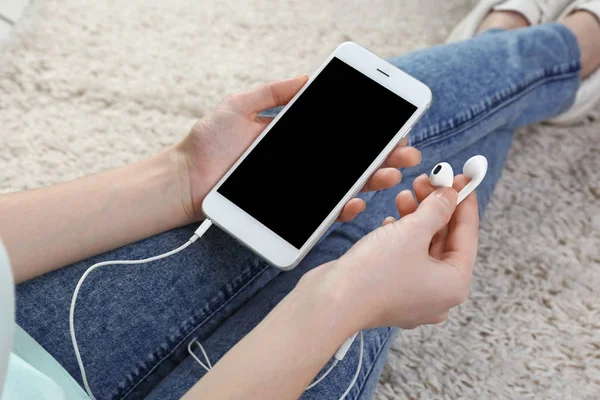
(31, 373)
(24, 382)
(29, 361)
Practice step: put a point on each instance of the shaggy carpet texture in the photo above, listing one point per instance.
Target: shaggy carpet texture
(90, 85)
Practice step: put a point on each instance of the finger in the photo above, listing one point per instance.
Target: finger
(438, 243)
(384, 178)
(463, 233)
(352, 209)
(422, 187)
(437, 248)
(403, 157)
(436, 210)
(438, 319)
(406, 203)
(389, 220)
(269, 95)
(404, 141)
(460, 181)
(264, 120)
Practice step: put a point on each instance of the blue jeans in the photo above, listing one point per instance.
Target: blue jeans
(135, 322)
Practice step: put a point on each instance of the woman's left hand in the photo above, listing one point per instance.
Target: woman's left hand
(219, 139)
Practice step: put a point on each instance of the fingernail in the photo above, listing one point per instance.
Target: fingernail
(364, 207)
(420, 158)
(444, 195)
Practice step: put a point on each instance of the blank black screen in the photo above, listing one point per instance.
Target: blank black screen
(316, 152)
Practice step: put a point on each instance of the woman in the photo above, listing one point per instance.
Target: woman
(135, 323)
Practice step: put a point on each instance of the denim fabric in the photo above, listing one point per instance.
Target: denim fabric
(134, 322)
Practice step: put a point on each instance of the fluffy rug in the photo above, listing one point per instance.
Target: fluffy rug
(90, 85)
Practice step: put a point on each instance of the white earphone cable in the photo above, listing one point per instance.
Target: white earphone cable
(197, 234)
(315, 383)
(358, 367)
(335, 363)
(312, 385)
(205, 366)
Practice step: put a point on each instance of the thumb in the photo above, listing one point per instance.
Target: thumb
(436, 210)
(272, 94)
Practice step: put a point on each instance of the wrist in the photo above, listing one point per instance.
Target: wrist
(332, 296)
(361, 304)
(180, 172)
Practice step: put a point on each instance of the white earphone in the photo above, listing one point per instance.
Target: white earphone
(475, 168)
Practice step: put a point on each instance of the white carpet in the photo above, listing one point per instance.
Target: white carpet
(90, 85)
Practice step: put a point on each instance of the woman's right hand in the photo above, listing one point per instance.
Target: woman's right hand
(412, 271)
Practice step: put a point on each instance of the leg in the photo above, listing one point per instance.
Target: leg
(511, 79)
(131, 321)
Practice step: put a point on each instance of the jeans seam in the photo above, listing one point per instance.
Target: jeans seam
(361, 387)
(497, 101)
(195, 326)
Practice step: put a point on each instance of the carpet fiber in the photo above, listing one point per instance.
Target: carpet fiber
(91, 85)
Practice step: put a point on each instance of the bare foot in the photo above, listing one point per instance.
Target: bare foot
(503, 20)
(586, 28)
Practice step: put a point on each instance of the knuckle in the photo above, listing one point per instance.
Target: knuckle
(234, 98)
(275, 96)
(198, 126)
(460, 296)
(345, 216)
(438, 319)
(439, 207)
(409, 326)
(379, 237)
(460, 181)
(411, 225)
(409, 221)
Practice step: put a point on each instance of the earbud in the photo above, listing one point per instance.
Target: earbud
(475, 168)
(442, 175)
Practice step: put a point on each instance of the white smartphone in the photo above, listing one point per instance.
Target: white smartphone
(291, 184)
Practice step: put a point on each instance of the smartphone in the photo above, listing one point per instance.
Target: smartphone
(291, 184)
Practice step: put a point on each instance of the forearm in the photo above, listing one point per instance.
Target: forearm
(48, 228)
(282, 355)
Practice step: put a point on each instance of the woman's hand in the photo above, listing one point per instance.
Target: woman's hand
(406, 273)
(412, 271)
(220, 138)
